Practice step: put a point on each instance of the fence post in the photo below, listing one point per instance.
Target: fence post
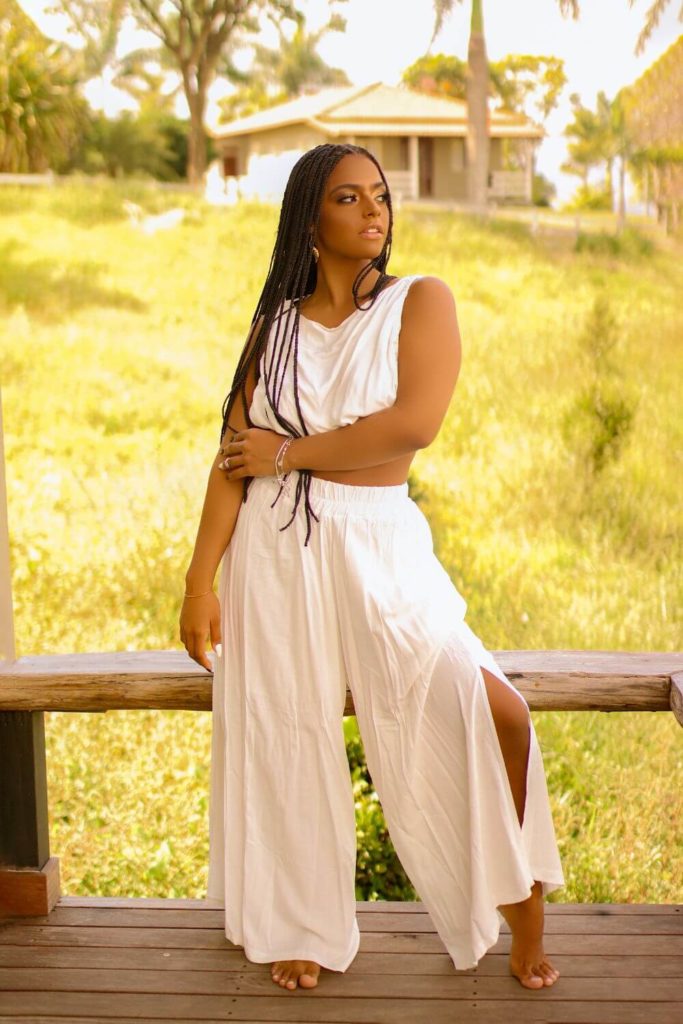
(29, 877)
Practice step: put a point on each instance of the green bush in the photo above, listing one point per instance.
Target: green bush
(379, 873)
(629, 244)
(590, 197)
(152, 143)
(598, 421)
(542, 190)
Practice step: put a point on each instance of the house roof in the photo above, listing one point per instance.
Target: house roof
(375, 109)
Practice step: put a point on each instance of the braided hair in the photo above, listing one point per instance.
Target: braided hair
(292, 275)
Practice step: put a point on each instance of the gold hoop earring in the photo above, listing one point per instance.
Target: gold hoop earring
(316, 254)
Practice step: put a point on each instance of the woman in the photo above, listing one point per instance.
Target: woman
(329, 578)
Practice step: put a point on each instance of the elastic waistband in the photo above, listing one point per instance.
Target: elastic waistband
(329, 495)
(329, 498)
(330, 492)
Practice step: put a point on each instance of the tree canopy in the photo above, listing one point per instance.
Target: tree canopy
(41, 110)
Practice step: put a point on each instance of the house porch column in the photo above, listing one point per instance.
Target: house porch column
(529, 168)
(414, 166)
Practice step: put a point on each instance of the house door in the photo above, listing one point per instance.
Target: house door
(229, 166)
(426, 152)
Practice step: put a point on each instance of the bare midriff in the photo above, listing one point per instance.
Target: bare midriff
(386, 475)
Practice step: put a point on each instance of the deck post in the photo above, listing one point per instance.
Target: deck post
(676, 696)
(29, 877)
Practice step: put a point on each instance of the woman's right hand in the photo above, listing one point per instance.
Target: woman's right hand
(200, 619)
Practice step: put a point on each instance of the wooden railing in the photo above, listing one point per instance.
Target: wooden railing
(548, 680)
(29, 686)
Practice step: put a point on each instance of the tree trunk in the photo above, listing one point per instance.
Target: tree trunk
(477, 141)
(657, 193)
(621, 211)
(196, 143)
(609, 183)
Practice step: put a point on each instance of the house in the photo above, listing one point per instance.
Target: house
(418, 139)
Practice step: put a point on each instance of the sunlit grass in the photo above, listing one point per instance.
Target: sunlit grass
(116, 352)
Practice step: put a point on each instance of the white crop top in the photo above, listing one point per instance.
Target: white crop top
(343, 372)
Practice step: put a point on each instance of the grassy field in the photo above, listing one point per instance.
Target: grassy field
(553, 492)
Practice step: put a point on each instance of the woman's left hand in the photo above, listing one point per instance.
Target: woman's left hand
(250, 453)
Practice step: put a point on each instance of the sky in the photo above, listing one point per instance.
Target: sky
(598, 49)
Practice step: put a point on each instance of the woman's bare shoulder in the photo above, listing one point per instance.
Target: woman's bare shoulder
(428, 296)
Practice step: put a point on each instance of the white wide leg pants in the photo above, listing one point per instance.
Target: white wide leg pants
(366, 603)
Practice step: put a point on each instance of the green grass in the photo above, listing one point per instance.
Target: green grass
(116, 352)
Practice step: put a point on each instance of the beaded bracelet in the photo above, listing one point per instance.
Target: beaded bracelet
(280, 459)
(200, 595)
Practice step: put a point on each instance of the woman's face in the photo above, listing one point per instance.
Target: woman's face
(354, 216)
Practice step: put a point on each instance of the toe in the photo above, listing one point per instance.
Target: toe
(549, 972)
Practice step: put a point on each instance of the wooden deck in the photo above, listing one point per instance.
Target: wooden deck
(131, 960)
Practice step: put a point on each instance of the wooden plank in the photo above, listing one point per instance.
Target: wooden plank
(103, 917)
(149, 902)
(301, 1007)
(362, 906)
(377, 942)
(569, 965)
(481, 1013)
(504, 1012)
(595, 909)
(642, 945)
(559, 680)
(567, 924)
(333, 984)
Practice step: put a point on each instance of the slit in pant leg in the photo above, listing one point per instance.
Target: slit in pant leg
(537, 829)
(538, 832)
(505, 719)
(439, 772)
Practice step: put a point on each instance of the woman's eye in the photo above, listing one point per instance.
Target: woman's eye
(383, 196)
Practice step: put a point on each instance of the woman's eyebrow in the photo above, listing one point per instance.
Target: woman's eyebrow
(378, 184)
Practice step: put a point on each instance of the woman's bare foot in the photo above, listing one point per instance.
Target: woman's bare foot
(290, 972)
(528, 962)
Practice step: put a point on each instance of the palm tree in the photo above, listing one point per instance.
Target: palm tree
(477, 142)
(41, 112)
(292, 68)
(652, 18)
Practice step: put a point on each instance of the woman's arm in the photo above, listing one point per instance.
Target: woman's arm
(429, 358)
(221, 505)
